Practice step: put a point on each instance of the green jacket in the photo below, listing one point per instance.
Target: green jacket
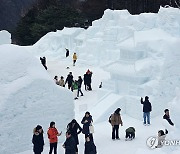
(130, 130)
(75, 85)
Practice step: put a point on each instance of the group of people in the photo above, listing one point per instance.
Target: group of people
(75, 85)
(71, 143)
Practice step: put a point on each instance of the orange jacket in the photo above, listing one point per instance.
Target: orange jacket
(52, 135)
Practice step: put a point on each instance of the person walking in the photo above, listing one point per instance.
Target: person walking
(69, 145)
(87, 122)
(61, 82)
(38, 140)
(167, 117)
(90, 147)
(75, 130)
(69, 80)
(43, 62)
(147, 108)
(74, 59)
(116, 120)
(53, 137)
(79, 86)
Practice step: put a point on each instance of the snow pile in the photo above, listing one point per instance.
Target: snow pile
(5, 37)
(134, 49)
(28, 97)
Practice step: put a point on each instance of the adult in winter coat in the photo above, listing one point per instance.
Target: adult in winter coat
(69, 144)
(74, 59)
(115, 122)
(167, 117)
(67, 52)
(90, 147)
(79, 86)
(69, 80)
(61, 82)
(53, 137)
(38, 140)
(147, 108)
(87, 121)
(161, 138)
(130, 133)
(43, 62)
(86, 81)
(75, 129)
(89, 76)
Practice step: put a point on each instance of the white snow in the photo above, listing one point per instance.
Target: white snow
(132, 55)
(28, 97)
(5, 37)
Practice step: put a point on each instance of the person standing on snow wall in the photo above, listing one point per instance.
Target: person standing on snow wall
(147, 108)
(53, 137)
(38, 140)
(74, 59)
(116, 120)
(43, 62)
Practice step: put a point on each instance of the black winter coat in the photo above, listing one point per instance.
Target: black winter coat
(70, 146)
(43, 60)
(85, 79)
(168, 119)
(74, 131)
(89, 78)
(80, 83)
(90, 148)
(146, 106)
(86, 125)
(69, 79)
(38, 142)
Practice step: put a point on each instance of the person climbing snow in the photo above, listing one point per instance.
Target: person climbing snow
(115, 120)
(61, 82)
(74, 59)
(75, 130)
(53, 137)
(130, 133)
(43, 62)
(147, 108)
(38, 140)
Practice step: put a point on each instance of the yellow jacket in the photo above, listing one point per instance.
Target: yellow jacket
(74, 57)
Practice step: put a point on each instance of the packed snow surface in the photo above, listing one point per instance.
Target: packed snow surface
(5, 37)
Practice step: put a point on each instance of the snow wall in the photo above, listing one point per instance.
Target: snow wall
(134, 49)
(28, 97)
(5, 37)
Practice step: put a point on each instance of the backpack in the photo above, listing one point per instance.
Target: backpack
(110, 119)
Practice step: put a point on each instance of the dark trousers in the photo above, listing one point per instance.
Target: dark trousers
(76, 148)
(90, 137)
(115, 132)
(79, 90)
(74, 61)
(70, 86)
(130, 135)
(53, 146)
(45, 66)
(37, 152)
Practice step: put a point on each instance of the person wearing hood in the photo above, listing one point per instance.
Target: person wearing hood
(75, 130)
(70, 144)
(53, 137)
(38, 140)
(67, 52)
(147, 108)
(88, 79)
(43, 62)
(116, 120)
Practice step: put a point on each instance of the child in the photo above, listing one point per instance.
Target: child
(61, 82)
(161, 138)
(90, 147)
(130, 133)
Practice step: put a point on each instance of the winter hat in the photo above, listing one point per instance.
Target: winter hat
(52, 123)
(146, 98)
(166, 110)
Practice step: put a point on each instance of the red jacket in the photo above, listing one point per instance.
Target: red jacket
(52, 135)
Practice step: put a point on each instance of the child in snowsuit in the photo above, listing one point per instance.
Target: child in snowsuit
(130, 133)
